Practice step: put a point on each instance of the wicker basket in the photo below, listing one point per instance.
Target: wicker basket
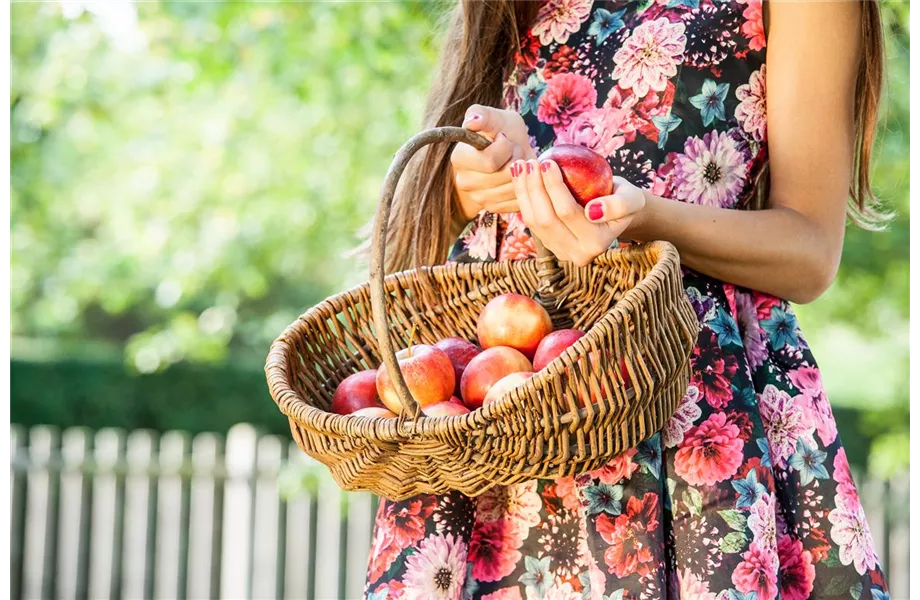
(630, 301)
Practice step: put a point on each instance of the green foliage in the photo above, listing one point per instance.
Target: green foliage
(185, 177)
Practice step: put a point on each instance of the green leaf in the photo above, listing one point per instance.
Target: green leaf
(837, 586)
(856, 590)
(833, 558)
(733, 542)
(694, 501)
(735, 519)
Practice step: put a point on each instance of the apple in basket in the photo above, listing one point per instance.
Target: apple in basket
(460, 352)
(355, 392)
(448, 408)
(553, 345)
(429, 375)
(505, 385)
(515, 321)
(586, 173)
(374, 411)
(486, 370)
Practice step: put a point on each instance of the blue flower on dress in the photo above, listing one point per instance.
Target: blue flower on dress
(686, 3)
(665, 124)
(537, 576)
(648, 455)
(764, 446)
(749, 490)
(711, 101)
(605, 23)
(725, 328)
(809, 462)
(880, 595)
(470, 585)
(734, 594)
(604, 497)
(530, 94)
(782, 327)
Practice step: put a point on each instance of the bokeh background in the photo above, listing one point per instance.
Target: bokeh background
(186, 178)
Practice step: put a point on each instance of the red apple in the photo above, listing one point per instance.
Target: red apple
(456, 400)
(445, 409)
(505, 385)
(428, 372)
(355, 392)
(374, 412)
(486, 369)
(586, 173)
(515, 321)
(553, 345)
(460, 352)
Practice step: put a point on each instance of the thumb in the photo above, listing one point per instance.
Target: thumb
(485, 120)
(624, 202)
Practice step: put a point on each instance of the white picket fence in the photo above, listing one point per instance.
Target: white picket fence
(139, 515)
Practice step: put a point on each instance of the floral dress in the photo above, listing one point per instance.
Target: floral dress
(746, 494)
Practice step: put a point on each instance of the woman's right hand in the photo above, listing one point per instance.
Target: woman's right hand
(483, 177)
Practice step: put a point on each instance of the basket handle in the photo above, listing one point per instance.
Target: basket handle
(548, 270)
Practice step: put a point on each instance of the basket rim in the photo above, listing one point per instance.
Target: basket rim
(402, 429)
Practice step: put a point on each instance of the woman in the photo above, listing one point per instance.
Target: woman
(746, 493)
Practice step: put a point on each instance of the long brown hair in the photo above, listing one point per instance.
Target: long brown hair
(482, 38)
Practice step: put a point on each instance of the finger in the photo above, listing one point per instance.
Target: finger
(520, 191)
(490, 160)
(625, 201)
(493, 198)
(544, 214)
(565, 206)
(485, 120)
(467, 180)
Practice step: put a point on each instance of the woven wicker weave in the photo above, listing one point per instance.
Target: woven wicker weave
(630, 301)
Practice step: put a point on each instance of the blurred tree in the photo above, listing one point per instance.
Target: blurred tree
(186, 175)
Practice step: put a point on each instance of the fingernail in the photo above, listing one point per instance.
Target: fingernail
(515, 169)
(529, 168)
(544, 166)
(596, 211)
(472, 117)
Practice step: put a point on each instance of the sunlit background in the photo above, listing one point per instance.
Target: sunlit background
(186, 177)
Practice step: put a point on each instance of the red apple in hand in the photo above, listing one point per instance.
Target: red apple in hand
(447, 408)
(460, 352)
(515, 321)
(486, 369)
(374, 411)
(553, 345)
(505, 385)
(586, 173)
(356, 392)
(428, 372)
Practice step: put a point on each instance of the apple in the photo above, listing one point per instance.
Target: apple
(456, 400)
(374, 412)
(488, 368)
(553, 345)
(505, 385)
(460, 352)
(586, 173)
(429, 375)
(355, 392)
(447, 408)
(514, 321)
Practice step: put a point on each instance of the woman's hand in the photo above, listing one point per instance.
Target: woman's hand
(573, 233)
(483, 177)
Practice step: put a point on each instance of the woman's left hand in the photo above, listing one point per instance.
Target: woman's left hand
(551, 213)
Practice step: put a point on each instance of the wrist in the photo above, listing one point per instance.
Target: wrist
(638, 228)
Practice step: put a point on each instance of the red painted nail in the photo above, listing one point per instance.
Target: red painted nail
(529, 168)
(515, 170)
(596, 211)
(544, 166)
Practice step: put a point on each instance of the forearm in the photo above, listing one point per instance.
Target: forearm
(777, 250)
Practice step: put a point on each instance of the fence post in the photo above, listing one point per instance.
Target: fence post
(76, 504)
(236, 556)
(204, 517)
(140, 507)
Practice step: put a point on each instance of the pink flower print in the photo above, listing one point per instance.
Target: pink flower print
(649, 56)
(850, 530)
(558, 19)
(693, 587)
(757, 572)
(762, 521)
(437, 570)
(494, 549)
(508, 593)
(711, 170)
(562, 591)
(755, 347)
(784, 423)
(480, 240)
(519, 503)
(567, 95)
(797, 573)
(688, 411)
(846, 489)
(619, 468)
(598, 129)
(751, 111)
(567, 491)
(814, 402)
(711, 452)
(631, 537)
(753, 25)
